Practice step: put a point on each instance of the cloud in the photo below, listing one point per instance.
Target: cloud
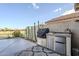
(35, 5)
(68, 12)
(57, 10)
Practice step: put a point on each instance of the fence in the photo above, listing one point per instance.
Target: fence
(31, 31)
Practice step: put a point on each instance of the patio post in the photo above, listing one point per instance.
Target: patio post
(28, 32)
(35, 32)
(38, 25)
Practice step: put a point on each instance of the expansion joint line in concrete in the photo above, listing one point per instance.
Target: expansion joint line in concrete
(8, 46)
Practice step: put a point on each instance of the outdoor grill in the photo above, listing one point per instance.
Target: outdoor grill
(42, 32)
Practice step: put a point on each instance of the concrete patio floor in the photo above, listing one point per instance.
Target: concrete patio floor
(21, 47)
(9, 47)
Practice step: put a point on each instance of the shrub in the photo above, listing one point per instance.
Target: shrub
(17, 33)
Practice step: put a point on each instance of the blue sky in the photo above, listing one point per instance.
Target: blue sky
(21, 15)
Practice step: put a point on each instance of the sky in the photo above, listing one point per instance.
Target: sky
(21, 15)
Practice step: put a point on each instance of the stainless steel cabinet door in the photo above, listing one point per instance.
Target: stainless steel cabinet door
(60, 48)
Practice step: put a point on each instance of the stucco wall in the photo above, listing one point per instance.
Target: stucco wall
(72, 25)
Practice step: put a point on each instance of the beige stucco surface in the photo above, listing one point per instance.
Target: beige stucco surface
(61, 26)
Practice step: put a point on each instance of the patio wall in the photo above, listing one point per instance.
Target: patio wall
(61, 26)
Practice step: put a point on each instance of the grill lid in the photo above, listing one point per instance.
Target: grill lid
(42, 32)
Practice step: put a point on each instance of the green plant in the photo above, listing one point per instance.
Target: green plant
(17, 33)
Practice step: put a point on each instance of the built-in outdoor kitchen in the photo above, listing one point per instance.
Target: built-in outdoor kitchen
(59, 42)
(61, 34)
